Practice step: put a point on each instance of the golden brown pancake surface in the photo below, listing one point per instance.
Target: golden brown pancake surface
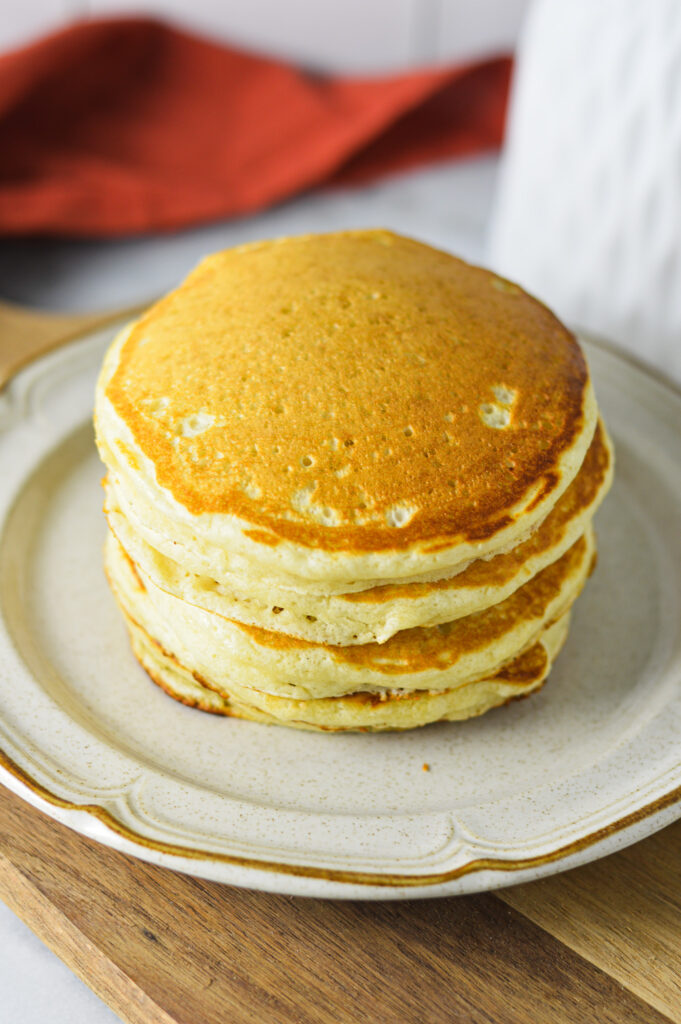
(361, 712)
(360, 381)
(439, 647)
(493, 571)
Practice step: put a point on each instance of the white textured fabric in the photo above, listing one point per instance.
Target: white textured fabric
(588, 214)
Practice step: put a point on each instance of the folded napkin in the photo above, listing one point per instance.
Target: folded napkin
(120, 126)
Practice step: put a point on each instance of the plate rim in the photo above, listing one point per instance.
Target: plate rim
(143, 846)
(337, 875)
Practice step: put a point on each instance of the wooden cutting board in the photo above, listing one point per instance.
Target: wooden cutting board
(600, 943)
(26, 334)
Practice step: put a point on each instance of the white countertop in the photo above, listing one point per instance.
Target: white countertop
(448, 206)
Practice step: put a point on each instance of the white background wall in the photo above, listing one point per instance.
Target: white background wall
(335, 35)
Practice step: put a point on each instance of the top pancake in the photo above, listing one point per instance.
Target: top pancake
(357, 395)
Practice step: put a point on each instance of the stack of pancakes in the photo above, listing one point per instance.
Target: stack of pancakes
(350, 484)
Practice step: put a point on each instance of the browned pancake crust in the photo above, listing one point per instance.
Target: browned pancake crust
(342, 378)
(494, 571)
(439, 647)
(521, 671)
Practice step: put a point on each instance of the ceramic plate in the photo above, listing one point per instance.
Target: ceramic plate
(590, 764)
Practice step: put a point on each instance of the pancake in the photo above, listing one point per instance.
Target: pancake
(393, 710)
(377, 614)
(231, 654)
(340, 411)
(350, 484)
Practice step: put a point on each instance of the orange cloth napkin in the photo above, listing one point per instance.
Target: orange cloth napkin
(120, 126)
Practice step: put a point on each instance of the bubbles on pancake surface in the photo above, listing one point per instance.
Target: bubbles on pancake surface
(252, 491)
(156, 406)
(301, 501)
(191, 426)
(400, 515)
(355, 360)
(503, 394)
(498, 414)
(495, 416)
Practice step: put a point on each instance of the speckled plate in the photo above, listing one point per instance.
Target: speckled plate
(588, 765)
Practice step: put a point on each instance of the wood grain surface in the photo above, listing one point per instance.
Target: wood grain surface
(26, 334)
(600, 943)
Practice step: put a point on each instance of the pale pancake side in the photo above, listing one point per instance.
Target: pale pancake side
(438, 657)
(375, 615)
(356, 712)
